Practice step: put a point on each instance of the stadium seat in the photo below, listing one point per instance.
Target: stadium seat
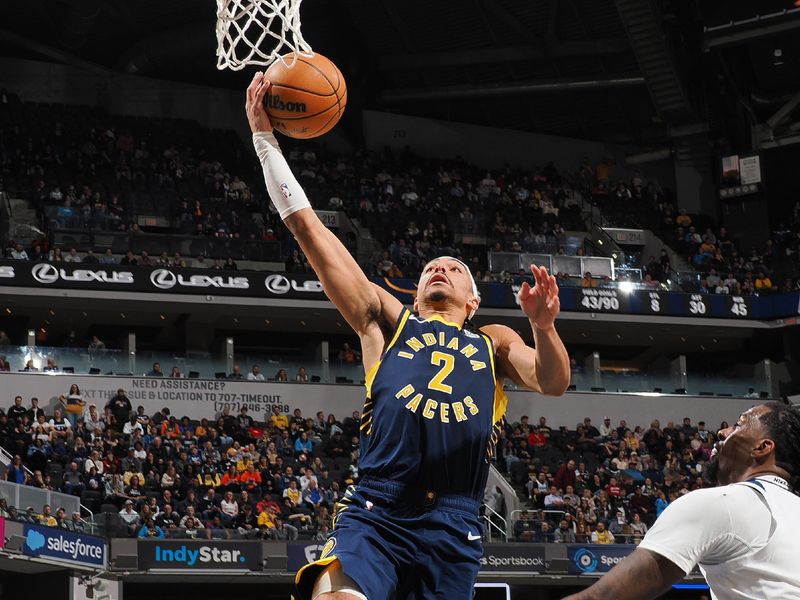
(92, 500)
(194, 375)
(106, 507)
(94, 371)
(220, 375)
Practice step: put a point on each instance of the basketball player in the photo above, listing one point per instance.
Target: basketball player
(433, 411)
(744, 535)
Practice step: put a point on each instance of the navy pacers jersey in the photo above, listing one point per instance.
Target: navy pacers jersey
(433, 409)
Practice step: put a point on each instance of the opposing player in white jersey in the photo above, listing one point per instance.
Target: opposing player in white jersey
(744, 534)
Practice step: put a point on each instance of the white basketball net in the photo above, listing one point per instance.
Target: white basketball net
(255, 32)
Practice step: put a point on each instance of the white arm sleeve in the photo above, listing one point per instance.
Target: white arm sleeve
(709, 526)
(282, 186)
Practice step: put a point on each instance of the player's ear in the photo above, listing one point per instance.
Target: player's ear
(763, 448)
(472, 304)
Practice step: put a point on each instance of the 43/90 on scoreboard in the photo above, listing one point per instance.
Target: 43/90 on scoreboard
(600, 300)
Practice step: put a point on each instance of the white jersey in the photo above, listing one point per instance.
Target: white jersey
(745, 537)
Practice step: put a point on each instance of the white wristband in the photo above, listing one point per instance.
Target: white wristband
(284, 190)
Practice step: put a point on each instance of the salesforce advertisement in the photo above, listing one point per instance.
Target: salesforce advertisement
(59, 544)
(596, 558)
(210, 555)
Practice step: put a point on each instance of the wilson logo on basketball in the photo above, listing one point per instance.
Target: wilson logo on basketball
(275, 102)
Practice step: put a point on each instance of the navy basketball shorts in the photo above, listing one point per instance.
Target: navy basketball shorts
(402, 546)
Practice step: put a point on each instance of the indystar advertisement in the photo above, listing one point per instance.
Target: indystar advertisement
(517, 558)
(191, 555)
(596, 558)
(64, 545)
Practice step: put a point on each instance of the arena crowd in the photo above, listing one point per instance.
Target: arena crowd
(230, 475)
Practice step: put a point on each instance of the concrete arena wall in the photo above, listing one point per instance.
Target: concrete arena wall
(199, 398)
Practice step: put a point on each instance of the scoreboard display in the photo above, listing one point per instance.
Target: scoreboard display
(645, 302)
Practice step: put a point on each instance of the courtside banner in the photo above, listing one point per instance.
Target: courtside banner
(68, 546)
(299, 554)
(596, 558)
(513, 558)
(197, 555)
(508, 558)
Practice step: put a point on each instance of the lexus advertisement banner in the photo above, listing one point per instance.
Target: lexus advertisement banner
(197, 555)
(159, 280)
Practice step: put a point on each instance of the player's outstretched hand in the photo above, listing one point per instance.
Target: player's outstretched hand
(256, 113)
(540, 303)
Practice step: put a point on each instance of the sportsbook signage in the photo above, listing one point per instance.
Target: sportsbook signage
(596, 558)
(513, 558)
(191, 555)
(296, 286)
(507, 558)
(63, 545)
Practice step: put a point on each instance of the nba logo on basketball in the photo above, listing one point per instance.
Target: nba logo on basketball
(285, 191)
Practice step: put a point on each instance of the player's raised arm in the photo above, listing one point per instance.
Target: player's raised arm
(544, 369)
(345, 283)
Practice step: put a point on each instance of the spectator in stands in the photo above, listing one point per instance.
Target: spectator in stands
(553, 500)
(4, 339)
(151, 530)
(255, 374)
(565, 476)
(349, 355)
(15, 472)
(762, 283)
(524, 528)
(72, 256)
(155, 371)
(129, 516)
(236, 373)
(16, 412)
(282, 375)
(120, 408)
(96, 345)
(72, 403)
(543, 534)
(601, 535)
(175, 373)
(301, 376)
(18, 252)
(588, 281)
(302, 444)
(638, 528)
(47, 518)
(563, 533)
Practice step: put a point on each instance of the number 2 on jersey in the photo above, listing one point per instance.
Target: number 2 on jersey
(437, 382)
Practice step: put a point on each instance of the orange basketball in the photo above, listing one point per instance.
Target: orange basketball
(306, 98)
